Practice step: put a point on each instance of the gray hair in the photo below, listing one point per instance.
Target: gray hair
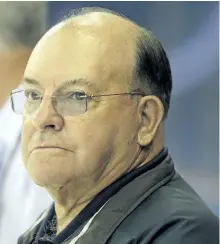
(152, 69)
(21, 24)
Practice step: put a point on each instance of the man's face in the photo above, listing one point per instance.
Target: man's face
(88, 143)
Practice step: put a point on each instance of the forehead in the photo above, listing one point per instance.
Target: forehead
(68, 54)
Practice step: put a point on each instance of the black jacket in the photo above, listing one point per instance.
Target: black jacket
(151, 205)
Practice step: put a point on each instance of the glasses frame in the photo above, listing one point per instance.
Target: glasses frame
(86, 96)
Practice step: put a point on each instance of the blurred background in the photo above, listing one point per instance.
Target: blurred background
(189, 32)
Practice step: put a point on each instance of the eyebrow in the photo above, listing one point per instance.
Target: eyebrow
(65, 84)
(30, 81)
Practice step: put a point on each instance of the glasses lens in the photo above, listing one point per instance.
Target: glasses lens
(23, 105)
(71, 104)
(18, 101)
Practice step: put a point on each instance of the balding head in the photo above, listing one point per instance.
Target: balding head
(131, 51)
(151, 69)
(105, 43)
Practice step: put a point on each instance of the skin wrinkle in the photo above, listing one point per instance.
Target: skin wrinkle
(107, 140)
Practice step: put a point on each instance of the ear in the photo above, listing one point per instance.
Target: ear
(150, 113)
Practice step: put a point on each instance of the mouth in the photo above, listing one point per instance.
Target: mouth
(49, 148)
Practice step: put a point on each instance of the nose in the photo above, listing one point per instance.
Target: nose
(47, 118)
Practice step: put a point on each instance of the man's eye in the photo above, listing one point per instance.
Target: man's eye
(32, 96)
(77, 95)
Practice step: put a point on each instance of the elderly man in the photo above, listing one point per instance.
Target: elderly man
(96, 93)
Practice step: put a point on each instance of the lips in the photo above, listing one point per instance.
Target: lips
(45, 147)
(48, 147)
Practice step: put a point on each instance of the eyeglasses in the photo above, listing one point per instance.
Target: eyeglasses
(71, 104)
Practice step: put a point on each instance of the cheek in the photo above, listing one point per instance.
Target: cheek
(91, 137)
(126, 130)
(94, 138)
(27, 132)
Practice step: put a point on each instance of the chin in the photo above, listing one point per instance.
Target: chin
(48, 172)
(44, 178)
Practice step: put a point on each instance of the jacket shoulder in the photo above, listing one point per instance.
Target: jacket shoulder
(172, 214)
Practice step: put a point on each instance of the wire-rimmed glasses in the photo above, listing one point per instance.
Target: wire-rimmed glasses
(70, 104)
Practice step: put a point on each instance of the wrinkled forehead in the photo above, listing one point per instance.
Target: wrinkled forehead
(96, 58)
